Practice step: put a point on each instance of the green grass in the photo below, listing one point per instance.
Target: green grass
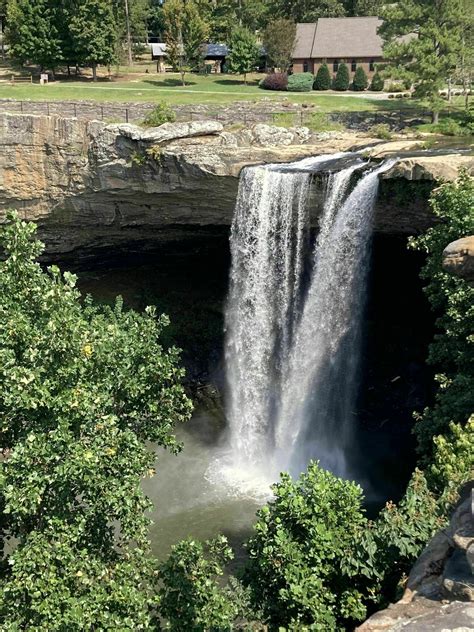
(217, 89)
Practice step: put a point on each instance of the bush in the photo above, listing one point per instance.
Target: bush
(396, 87)
(323, 78)
(275, 81)
(360, 81)
(300, 82)
(161, 113)
(342, 80)
(321, 122)
(449, 127)
(377, 83)
(190, 596)
(301, 554)
(381, 130)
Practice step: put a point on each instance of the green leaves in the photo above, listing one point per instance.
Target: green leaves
(244, 51)
(82, 388)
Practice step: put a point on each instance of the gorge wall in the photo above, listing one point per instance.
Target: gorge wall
(92, 186)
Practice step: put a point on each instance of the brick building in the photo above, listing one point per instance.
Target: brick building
(354, 41)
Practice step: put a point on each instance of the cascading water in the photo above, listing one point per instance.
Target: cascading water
(292, 343)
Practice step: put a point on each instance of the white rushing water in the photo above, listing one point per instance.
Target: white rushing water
(293, 320)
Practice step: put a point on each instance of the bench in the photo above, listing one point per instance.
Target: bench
(22, 79)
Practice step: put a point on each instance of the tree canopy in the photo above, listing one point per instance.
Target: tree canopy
(82, 389)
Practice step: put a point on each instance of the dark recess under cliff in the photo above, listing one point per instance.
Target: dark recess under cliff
(188, 280)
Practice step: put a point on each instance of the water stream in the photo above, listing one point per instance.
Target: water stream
(292, 344)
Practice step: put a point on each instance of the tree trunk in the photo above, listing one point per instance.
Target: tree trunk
(183, 82)
(94, 71)
(434, 117)
(68, 70)
(450, 91)
(245, 78)
(129, 37)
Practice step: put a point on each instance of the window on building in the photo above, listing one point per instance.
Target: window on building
(305, 66)
(335, 65)
(372, 65)
(353, 65)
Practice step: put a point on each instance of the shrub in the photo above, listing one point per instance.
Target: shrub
(360, 81)
(342, 80)
(161, 113)
(323, 78)
(381, 130)
(453, 300)
(190, 597)
(300, 82)
(396, 87)
(448, 127)
(377, 83)
(275, 81)
(301, 554)
(321, 122)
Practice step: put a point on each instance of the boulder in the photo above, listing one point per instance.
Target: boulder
(458, 258)
(171, 131)
(440, 167)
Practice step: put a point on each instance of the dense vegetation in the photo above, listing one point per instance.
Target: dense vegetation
(82, 389)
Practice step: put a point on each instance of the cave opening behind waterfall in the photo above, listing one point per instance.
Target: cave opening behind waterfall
(188, 280)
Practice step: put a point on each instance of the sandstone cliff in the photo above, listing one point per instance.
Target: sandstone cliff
(92, 186)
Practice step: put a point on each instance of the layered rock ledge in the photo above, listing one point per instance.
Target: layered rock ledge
(92, 186)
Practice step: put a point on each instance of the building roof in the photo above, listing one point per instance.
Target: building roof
(339, 38)
(212, 50)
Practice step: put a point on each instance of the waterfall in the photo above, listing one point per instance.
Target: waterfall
(292, 343)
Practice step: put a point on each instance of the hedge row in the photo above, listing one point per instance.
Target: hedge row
(305, 81)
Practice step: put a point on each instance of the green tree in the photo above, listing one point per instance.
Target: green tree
(244, 52)
(92, 29)
(323, 78)
(279, 41)
(422, 45)
(185, 34)
(453, 300)
(33, 34)
(82, 389)
(307, 10)
(190, 596)
(367, 7)
(300, 572)
(377, 83)
(360, 81)
(342, 80)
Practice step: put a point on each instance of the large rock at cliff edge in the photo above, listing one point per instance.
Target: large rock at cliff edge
(458, 258)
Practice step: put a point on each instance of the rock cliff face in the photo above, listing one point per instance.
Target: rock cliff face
(92, 186)
(440, 590)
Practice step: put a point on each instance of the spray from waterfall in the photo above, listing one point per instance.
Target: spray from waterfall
(292, 342)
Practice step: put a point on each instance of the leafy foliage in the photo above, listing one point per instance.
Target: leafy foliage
(381, 130)
(427, 60)
(300, 570)
(244, 52)
(453, 299)
(360, 81)
(307, 10)
(342, 80)
(82, 388)
(161, 113)
(33, 32)
(92, 28)
(185, 33)
(323, 78)
(279, 41)
(190, 597)
(300, 82)
(377, 83)
(274, 81)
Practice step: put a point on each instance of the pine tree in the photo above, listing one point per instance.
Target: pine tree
(377, 83)
(342, 81)
(244, 52)
(323, 78)
(360, 81)
(427, 60)
(92, 29)
(33, 34)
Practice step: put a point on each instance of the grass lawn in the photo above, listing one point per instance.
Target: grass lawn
(218, 89)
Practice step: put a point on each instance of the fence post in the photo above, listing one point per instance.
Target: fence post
(126, 115)
(21, 107)
(47, 107)
(75, 110)
(102, 112)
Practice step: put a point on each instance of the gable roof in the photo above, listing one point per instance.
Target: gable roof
(339, 38)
